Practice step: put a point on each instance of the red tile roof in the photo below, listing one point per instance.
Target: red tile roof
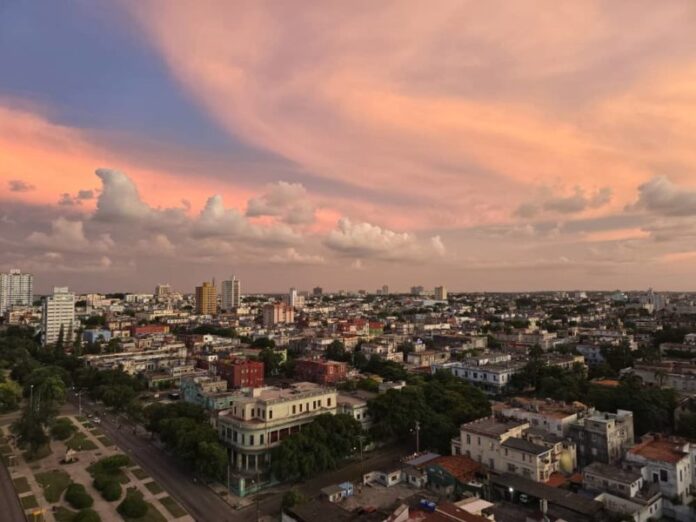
(461, 467)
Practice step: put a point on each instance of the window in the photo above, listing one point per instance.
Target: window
(270, 414)
(328, 402)
(468, 438)
(294, 409)
(261, 439)
(663, 475)
(251, 440)
(300, 408)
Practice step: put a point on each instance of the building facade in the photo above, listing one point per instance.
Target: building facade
(231, 294)
(240, 373)
(58, 314)
(16, 290)
(602, 437)
(259, 419)
(320, 371)
(206, 299)
(277, 313)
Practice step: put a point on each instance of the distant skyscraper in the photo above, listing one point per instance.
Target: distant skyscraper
(206, 299)
(16, 289)
(58, 312)
(416, 290)
(385, 289)
(163, 291)
(440, 293)
(318, 291)
(231, 294)
(277, 313)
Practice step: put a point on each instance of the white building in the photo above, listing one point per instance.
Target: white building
(58, 313)
(260, 418)
(231, 294)
(16, 289)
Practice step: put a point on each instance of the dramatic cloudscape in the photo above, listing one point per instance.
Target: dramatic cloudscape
(498, 145)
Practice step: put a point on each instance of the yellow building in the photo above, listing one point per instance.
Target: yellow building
(206, 299)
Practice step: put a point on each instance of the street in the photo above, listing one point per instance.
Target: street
(9, 501)
(201, 502)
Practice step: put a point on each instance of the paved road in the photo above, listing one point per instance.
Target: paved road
(10, 508)
(201, 502)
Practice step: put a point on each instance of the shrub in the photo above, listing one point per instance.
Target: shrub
(62, 429)
(111, 490)
(87, 515)
(77, 497)
(133, 506)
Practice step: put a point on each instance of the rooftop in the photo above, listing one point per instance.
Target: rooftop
(525, 445)
(612, 472)
(660, 449)
(492, 427)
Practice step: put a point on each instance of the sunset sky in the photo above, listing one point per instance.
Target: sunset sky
(498, 145)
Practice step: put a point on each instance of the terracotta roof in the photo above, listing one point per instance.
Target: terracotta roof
(556, 480)
(660, 449)
(460, 467)
(609, 383)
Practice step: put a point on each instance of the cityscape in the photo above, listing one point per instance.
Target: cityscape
(347, 261)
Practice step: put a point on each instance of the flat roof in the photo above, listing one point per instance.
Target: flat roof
(612, 472)
(560, 497)
(492, 427)
(525, 445)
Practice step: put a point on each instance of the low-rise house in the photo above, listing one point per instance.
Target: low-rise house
(623, 491)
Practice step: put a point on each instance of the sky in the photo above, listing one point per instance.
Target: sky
(505, 145)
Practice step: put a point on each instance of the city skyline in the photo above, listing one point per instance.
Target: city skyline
(481, 147)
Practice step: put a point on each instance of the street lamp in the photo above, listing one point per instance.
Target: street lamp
(31, 397)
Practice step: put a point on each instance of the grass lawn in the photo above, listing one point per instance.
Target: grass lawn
(174, 509)
(53, 483)
(80, 442)
(106, 441)
(63, 514)
(139, 473)
(21, 485)
(154, 487)
(43, 452)
(152, 515)
(29, 502)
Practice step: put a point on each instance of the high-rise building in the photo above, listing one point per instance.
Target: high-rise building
(385, 289)
(417, 290)
(292, 297)
(318, 291)
(163, 291)
(277, 313)
(206, 299)
(58, 314)
(16, 289)
(231, 294)
(440, 293)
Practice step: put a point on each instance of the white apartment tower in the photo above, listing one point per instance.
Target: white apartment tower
(16, 289)
(58, 311)
(231, 294)
(440, 293)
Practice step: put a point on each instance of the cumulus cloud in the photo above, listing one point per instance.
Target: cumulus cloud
(18, 185)
(361, 239)
(119, 199)
(292, 257)
(288, 201)
(217, 221)
(67, 235)
(661, 196)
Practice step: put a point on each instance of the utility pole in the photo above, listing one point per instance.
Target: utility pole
(31, 397)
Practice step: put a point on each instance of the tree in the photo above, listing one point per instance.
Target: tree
(211, 460)
(292, 498)
(272, 361)
(133, 506)
(10, 395)
(319, 446)
(263, 342)
(77, 496)
(336, 351)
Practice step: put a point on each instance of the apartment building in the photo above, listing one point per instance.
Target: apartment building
(668, 462)
(206, 299)
(508, 446)
(240, 373)
(231, 294)
(492, 373)
(259, 419)
(58, 315)
(16, 290)
(623, 491)
(206, 391)
(551, 416)
(602, 437)
(320, 371)
(277, 313)
(166, 357)
(677, 375)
